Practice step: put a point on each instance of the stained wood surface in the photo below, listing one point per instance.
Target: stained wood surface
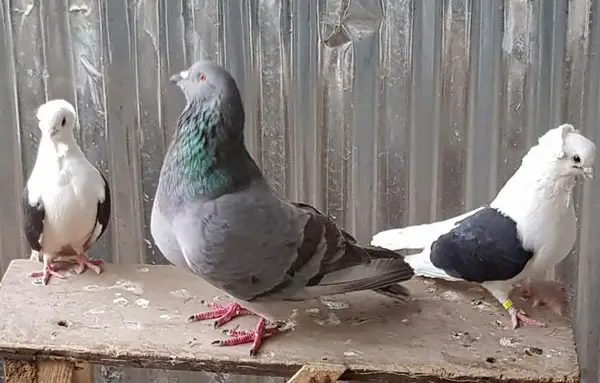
(136, 315)
(54, 372)
(47, 371)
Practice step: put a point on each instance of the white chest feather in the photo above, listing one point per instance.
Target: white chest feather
(70, 189)
(545, 220)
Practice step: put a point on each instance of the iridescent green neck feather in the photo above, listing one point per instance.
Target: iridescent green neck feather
(207, 157)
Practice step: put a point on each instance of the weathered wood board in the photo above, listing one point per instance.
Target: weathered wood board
(136, 315)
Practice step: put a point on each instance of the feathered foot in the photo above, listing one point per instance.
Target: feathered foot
(548, 293)
(48, 271)
(518, 317)
(223, 313)
(85, 263)
(35, 256)
(242, 337)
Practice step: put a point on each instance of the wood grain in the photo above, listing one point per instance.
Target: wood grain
(54, 372)
(320, 373)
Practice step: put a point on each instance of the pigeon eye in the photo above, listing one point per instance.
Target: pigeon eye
(577, 159)
(202, 77)
(64, 121)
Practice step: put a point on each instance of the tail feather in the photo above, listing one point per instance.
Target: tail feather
(385, 269)
(395, 291)
(417, 236)
(421, 264)
(372, 283)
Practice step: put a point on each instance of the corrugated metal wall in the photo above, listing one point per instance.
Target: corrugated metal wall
(384, 113)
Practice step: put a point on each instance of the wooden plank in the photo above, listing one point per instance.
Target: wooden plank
(318, 373)
(50, 371)
(47, 371)
(136, 315)
(19, 371)
(83, 373)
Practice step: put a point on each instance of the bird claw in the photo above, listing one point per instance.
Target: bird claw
(257, 337)
(519, 317)
(85, 263)
(222, 313)
(47, 272)
(547, 293)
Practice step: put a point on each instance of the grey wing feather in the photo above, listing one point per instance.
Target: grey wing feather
(343, 266)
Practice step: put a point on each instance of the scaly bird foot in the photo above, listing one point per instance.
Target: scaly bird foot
(242, 337)
(85, 263)
(548, 293)
(519, 317)
(223, 313)
(47, 272)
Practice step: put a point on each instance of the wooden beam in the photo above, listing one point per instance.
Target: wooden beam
(47, 371)
(123, 317)
(318, 373)
(83, 373)
(18, 371)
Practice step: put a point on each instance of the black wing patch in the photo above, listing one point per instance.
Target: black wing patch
(103, 212)
(33, 224)
(483, 247)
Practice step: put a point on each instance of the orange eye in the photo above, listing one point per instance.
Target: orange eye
(202, 77)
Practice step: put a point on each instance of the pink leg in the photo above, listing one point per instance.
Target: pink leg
(85, 262)
(548, 293)
(518, 317)
(242, 337)
(48, 271)
(223, 313)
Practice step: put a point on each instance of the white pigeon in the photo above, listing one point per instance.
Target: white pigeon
(526, 230)
(66, 201)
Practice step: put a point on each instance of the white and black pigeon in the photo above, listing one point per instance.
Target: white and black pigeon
(215, 215)
(525, 231)
(66, 201)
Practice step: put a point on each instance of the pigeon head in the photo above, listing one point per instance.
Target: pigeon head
(207, 155)
(208, 83)
(56, 119)
(565, 152)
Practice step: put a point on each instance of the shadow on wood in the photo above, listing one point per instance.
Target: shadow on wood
(136, 315)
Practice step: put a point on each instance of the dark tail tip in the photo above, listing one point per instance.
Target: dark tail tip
(395, 291)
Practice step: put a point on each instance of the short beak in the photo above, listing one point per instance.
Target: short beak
(175, 78)
(588, 172)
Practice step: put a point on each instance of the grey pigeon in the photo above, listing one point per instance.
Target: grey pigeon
(526, 230)
(66, 201)
(215, 215)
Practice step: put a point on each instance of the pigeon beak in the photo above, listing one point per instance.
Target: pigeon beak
(53, 132)
(176, 78)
